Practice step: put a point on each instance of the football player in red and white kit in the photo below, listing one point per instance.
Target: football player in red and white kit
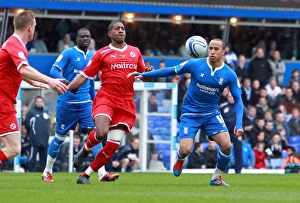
(14, 68)
(114, 111)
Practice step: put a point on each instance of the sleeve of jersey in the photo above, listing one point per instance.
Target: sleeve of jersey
(238, 104)
(18, 57)
(93, 66)
(168, 71)
(55, 72)
(92, 89)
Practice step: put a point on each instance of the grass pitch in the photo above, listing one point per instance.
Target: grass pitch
(149, 187)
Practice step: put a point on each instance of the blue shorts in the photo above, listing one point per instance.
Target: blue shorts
(211, 124)
(68, 115)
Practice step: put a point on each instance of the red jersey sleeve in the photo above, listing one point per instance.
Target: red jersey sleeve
(93, 66)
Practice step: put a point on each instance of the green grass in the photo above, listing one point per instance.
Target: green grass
(149, 187)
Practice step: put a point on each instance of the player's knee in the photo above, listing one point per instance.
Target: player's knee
(101, 133)
(184, 151)
(226, 148)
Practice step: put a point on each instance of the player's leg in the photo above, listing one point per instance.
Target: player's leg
(114, 138)
(86, 124)
(186, 141)
(66, 119)
(12, 146)
(224, 156)
(103, 175)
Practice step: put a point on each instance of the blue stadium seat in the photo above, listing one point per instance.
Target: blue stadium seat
(294, 139)
(284, 154)
(204, 145)
(296, 146)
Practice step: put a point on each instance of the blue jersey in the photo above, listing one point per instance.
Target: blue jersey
(71, 62)
(206, 86)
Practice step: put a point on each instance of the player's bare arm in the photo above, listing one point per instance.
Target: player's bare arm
(76, 83)
(32, 74)
(36, 83)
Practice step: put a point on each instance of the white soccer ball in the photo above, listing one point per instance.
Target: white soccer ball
(196, 46)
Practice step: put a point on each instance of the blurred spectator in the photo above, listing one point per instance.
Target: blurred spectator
(37, 124)
(259, 68)
(280, 123)
(291, 159)
(210, 154)
(37, 44)
(288, 100)
(256, 87)
(260, 45)
(268, 114)
(92, 46)
(273, 90)
(248, 95)
(248, 156)
(114, 164)
(249, 122)
(296, 92)
(182, 51)
(241, 69)
(196, 159)
(278, 67)
(230, 57)
(65, 41)
(152, 105)
(272, 49)
(261, 107)
(270, 101)
(294, 123)
(269, 130)
(294, 77)
(284, 138)
(227, 110)
(161, 64)
(25, 147)
(260, 156)
(283, 110)
(129, 155)
(275, 147)
(259, 137)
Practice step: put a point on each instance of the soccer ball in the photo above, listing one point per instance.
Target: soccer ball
(196, 46)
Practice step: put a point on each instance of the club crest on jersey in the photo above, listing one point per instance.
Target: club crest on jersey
(132, 54)
(221, 81)
(21, 55)
(13, 126)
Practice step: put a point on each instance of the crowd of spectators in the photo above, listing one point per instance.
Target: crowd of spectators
(168, 39)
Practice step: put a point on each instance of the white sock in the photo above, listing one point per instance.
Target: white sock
(101, 172)
(49, 164)
(218, 173)
(89, 171)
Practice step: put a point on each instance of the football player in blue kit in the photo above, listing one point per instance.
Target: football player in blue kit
(73, 108)
(209, 77)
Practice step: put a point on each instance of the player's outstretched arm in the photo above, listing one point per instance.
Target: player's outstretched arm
(36, 83)
(168, 71)
(239, 110)
(76, 83)
(30, 73)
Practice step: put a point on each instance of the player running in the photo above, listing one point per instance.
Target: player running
(14, 68)
(209, 77)
(73, 108)
(114, 111)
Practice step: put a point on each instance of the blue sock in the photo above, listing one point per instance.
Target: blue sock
(223, 160)
(55, 147)
(97, 148)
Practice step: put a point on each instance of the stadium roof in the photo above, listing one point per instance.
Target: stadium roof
(280, 9)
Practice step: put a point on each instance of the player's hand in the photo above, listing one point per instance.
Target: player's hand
(39, 84)
(238, 132)
(136, 74)
(58, 85)
(66, 82)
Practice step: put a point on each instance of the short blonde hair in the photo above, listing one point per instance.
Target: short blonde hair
(23, 19)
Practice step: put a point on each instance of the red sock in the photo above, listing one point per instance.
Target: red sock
(105, 154)
(92, 140)
(3, 157)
